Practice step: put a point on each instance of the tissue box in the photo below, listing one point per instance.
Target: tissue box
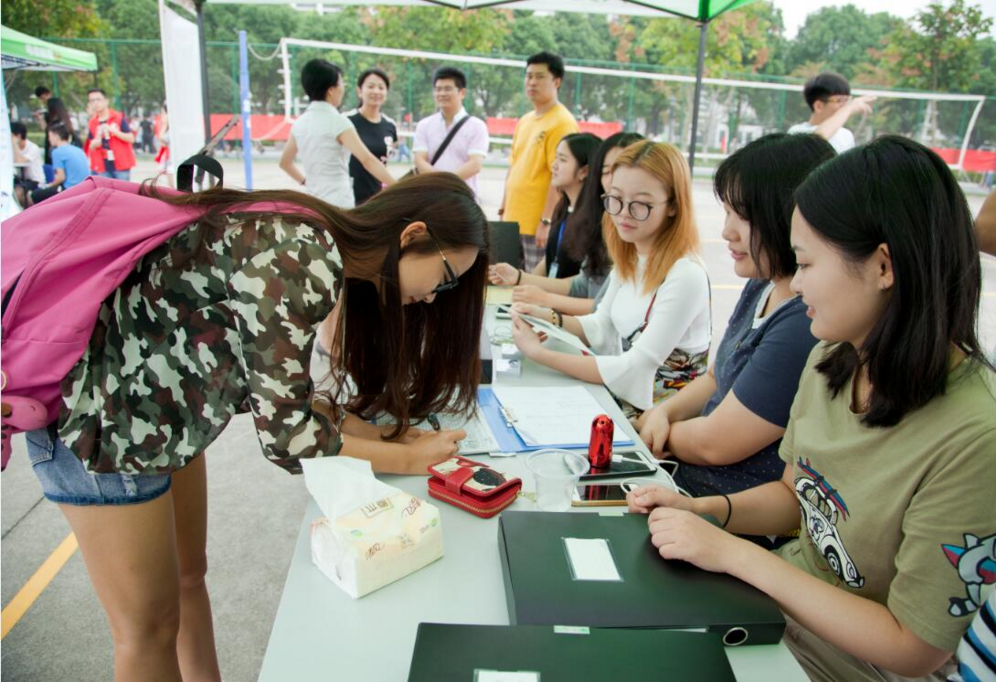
(376, 544)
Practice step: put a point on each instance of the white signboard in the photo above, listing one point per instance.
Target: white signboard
(182, 71)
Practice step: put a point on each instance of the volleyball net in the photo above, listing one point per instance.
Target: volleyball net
(612, 96)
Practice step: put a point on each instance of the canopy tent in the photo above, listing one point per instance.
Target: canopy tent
(24, 52)
(700, 11)
(21, 51)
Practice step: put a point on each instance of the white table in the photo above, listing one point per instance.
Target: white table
(320, 633)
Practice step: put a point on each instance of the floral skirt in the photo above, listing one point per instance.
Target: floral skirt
(679, 370)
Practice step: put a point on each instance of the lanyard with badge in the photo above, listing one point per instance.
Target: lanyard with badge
(555, 265)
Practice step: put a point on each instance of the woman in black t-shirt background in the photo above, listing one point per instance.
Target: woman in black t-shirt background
(377, 131)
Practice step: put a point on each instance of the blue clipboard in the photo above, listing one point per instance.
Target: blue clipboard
(508, 438)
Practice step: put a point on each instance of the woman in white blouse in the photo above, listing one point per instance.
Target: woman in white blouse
(325, 138)
(651, 332)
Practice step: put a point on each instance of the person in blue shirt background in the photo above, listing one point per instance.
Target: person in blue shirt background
(69, 161)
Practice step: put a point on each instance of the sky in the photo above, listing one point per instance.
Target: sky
(795, 11)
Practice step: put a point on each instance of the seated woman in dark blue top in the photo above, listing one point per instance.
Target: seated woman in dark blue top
(724, 428)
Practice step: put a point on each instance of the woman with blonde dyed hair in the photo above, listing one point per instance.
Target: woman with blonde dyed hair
(651, 332)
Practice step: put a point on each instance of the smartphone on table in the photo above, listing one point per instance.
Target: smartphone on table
(602, 494)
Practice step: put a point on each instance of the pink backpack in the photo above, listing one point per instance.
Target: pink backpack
(59, 260)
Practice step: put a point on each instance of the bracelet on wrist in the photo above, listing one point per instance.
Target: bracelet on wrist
(519, 277)
(560, 319)
(729, 511)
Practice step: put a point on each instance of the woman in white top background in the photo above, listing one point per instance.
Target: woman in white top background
(652, 330)
(325, 138)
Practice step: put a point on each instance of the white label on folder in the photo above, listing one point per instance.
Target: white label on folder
(500, 676)
(591, 559)
(571, 630)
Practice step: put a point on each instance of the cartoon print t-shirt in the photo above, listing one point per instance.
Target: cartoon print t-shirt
(905, 515)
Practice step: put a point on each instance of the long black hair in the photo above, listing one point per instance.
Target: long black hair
(588, 246)
(407, 361)
(58, 113)
(582, 147)
(757, 182)
(897, 192)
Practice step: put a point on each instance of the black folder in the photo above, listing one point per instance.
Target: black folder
(458, 653)
(653, 593)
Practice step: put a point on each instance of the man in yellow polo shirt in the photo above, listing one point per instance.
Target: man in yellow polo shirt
(529, 199)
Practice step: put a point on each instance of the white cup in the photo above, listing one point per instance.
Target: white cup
(556, 473)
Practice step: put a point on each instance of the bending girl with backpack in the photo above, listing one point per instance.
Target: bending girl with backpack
(220, 319)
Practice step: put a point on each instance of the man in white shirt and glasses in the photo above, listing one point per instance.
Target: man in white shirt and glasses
(465, 151)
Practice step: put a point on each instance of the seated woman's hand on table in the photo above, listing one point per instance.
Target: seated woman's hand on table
(678, 532)
(654, 428)
(503, 274)
(530, 293)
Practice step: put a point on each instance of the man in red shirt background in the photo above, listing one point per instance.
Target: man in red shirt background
(110, 140)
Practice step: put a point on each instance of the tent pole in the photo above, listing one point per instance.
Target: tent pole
(205, 107)
(703, 27)
(246, 106)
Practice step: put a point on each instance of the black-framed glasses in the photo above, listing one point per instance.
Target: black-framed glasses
(451, 280)
(638, 210)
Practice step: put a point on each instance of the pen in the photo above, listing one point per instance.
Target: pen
(433, 422)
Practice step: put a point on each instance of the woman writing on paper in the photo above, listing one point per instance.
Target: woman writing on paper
(726, 426)
(221, 319)
(579, 294)
(890, 450)
(652, 330)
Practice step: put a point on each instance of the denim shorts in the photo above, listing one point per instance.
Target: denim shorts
(65, 480)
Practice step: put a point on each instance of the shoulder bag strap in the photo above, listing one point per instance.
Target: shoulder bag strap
(449, 138)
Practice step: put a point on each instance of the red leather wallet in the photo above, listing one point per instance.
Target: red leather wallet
(472, 486)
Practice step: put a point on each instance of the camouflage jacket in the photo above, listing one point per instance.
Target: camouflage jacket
(179, 349)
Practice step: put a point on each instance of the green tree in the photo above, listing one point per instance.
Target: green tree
(939, 50)
(65, 18)
(842, 39)
(740, 42)
(139, 81)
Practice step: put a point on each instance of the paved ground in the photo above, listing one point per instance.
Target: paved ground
(255, 511)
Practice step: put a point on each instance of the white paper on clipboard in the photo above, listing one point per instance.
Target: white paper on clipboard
(557, 416)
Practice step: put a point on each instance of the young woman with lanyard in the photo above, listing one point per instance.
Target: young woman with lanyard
(652, 330)
(325, 139)
(570, 168)
(376, 130)
(725, 427)
(890, 451)
(577, 295)
(221, 319)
